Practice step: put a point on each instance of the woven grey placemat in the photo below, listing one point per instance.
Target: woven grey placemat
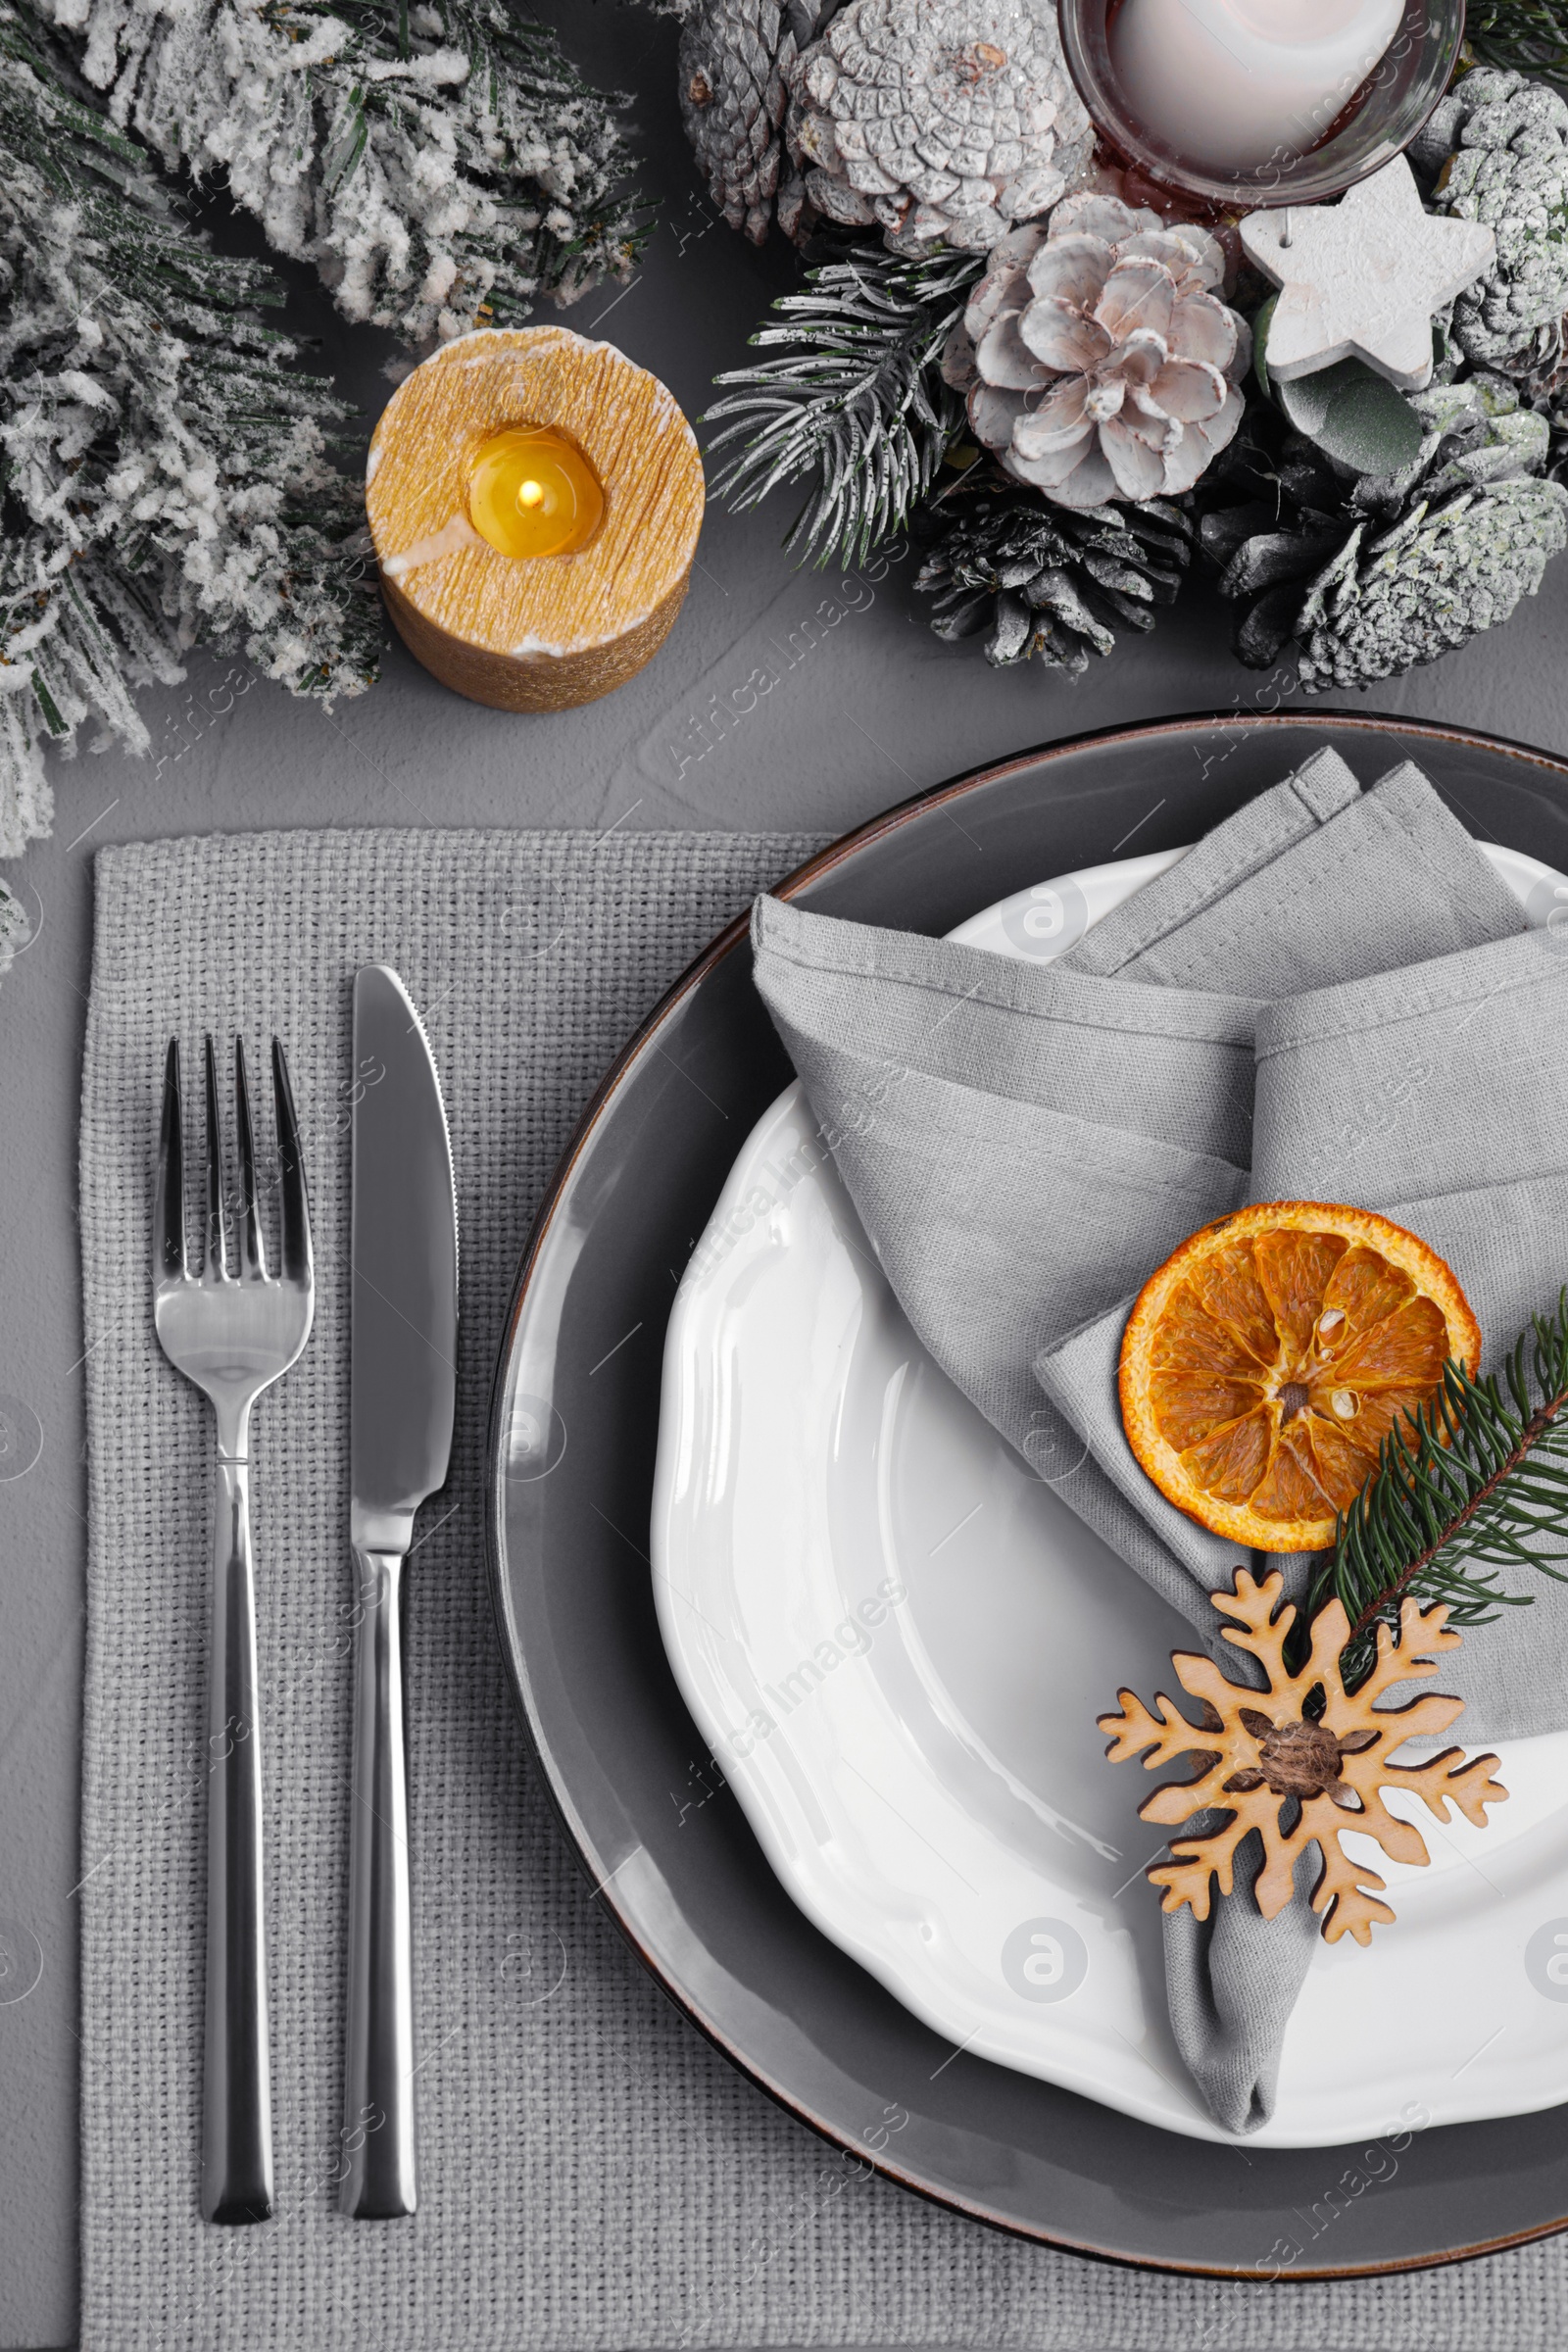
(592, 2173)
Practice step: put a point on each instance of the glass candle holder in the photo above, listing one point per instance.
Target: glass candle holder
(1374, 125)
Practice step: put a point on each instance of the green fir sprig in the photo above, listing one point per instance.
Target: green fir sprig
(1472, 1485)
(1529, 36)
(858, 401)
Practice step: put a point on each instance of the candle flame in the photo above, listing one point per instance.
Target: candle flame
(532, 493)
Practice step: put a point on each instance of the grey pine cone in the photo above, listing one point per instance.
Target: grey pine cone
(1506, 139)
(936, 119)
(734, 57)
(1437, 579)
(1375, 577)
(1051, 584)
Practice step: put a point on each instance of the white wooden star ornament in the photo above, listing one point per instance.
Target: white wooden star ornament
(1364, 276)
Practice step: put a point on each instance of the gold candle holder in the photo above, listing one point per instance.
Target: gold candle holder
(534, 500)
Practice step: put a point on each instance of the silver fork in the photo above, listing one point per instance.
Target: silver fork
(232, 1335)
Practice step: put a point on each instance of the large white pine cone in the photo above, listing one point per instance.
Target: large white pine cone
(734, 55)
(1098, 361)
(939, 120)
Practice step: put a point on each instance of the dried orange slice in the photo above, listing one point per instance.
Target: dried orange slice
(1266, 1361)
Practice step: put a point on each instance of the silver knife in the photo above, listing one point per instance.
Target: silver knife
(403, 1255)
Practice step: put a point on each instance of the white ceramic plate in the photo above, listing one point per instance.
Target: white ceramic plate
(896, 1640)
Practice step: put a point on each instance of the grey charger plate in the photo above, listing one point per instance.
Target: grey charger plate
(568, 1530)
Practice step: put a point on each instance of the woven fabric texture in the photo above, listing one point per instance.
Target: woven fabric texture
(592, 2173)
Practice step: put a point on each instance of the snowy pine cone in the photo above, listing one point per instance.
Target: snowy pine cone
(1373, 580)
(937, 119)
(1437, 579)
(1049, 583)
(734, 55)
(1507, 166)
(1097, 359)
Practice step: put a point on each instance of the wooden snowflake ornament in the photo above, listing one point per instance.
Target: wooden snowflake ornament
(1266, 1764)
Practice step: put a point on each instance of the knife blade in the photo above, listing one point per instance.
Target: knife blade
(403, 1374)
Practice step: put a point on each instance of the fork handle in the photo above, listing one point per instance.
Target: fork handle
(237, 2123)
(378, 2183)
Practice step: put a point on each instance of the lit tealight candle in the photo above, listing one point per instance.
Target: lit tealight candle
(1236, 84)
(534, 500)
(532, 493)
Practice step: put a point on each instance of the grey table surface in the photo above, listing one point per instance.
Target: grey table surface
(868, 708)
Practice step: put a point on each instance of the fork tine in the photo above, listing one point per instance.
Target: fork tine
(169, 1191)
(252, 1246)
(217, 1265)
(296, 1206)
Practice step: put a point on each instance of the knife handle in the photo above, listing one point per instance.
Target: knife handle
(377, 2182)
(236, 2184)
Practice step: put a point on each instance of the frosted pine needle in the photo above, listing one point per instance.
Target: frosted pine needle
(857, 407)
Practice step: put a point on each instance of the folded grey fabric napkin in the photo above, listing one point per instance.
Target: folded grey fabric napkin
(1003, 1129)
(1025, 1144)
(1314, 881)
(1437, 1095)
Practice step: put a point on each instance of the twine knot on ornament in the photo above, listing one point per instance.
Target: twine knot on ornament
(1298, 1759)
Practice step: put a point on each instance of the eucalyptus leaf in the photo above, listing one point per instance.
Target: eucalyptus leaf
(1260, 326)
(1354, 415)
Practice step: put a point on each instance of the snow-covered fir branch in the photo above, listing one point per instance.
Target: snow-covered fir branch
(163, 470)
(442, 163)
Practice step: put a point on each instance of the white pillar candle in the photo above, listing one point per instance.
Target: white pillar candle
(1235, 85)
